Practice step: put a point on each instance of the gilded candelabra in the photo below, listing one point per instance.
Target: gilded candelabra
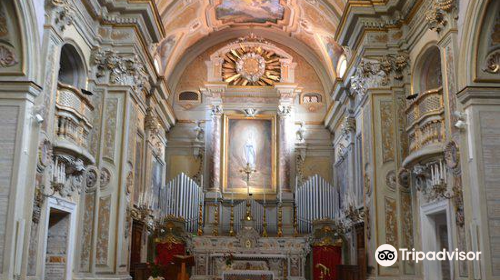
(231, 222)
(215, 231)
(264, 224)
(200, 220)
(280, 220)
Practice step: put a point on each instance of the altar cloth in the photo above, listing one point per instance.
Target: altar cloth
(247, 275)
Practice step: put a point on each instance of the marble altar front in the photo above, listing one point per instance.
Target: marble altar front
(274, 258)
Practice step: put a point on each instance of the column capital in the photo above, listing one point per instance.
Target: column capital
(286, 92)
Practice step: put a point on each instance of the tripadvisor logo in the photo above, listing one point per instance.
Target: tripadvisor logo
(387, 255)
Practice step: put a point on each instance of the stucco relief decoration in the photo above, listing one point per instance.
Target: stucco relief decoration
(110, 128)
(87, 233)
(67, 175)
(492, 60)
(404, 177)
(407, 224)
(301, 133)
(120, 69)
(436, 15)
(7, 56)
(152, 124)
(251, 66)
(44, 155)
(91, 180)
(452, 155)
(391, 223)
(395, 63)
(7, 53)
(217, 111)
(103, 230)
(452, 160)
(492, 64)
(349, 125)
(104, 178)
(64, 13)
(369, 74)
(387, 123)
(391, 180)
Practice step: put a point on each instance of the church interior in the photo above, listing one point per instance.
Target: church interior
(248, 139)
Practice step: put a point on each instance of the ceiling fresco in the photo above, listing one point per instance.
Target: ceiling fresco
(250, 11)
(308, 22)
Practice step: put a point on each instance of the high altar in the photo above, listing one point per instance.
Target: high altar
(253, 257)
(251, 208)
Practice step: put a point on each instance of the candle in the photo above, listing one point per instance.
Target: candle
(232, 197)
(281, 195)
(264, 196)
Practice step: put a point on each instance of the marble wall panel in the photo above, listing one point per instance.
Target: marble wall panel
(490, 138)
(8, 123)
(103, 230)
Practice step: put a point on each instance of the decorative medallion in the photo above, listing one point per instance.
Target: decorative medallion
(44, 155)
(7, 57)
(390, 180)
(452, 155)
(105, 177)
(492, 64)
(91, 179)
(404, 178)
(251, 66)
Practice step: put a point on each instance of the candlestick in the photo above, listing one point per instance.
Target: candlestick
(200, 219)
(215, 231)
(231, 222)
(280, 220)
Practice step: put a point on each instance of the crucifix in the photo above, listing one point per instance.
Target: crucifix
(248, 170)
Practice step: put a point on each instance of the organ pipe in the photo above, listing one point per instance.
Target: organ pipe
(181, 197)
(316, 199)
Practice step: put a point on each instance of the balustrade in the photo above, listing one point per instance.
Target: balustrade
(425, 119)
(73, 115)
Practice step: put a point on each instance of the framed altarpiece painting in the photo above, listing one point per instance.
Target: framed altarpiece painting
(249, 142)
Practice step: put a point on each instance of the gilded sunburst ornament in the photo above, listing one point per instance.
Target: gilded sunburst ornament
(251, 66)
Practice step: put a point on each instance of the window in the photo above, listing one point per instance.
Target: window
(342, 66)
(312, 98)
(189, 96)
(71, 67)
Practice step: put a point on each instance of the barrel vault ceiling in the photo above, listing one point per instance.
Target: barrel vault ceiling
(310, 23)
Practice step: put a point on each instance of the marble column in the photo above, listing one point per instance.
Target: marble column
(214, 166)
(285, 137)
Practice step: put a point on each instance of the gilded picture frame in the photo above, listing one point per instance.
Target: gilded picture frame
(236, 128)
